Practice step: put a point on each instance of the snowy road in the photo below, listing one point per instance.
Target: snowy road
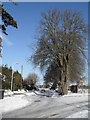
(55, 107)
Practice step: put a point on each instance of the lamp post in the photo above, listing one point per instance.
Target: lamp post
(12, 76)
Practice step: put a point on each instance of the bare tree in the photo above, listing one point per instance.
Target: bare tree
(62, 40)
(32, 79)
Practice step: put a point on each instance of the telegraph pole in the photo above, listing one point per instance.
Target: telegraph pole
(21, 75)
(12, 76)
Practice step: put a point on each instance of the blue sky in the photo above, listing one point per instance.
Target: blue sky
(16, 44)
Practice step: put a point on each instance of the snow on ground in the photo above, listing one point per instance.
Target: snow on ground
(19, 100)
(12, 102)
(9, 93)
(81, 92)
(80, 114)
(28, 93)
(70, 94)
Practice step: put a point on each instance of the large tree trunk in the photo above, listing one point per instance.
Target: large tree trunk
(63, 86)
(67, 77)
(65, 89)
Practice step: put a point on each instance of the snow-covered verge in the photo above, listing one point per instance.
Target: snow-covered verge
(12, 103)
(80, 93)
(30, 94)
(9, 93)
(15, 101)
(81, 114)
(70, 94)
